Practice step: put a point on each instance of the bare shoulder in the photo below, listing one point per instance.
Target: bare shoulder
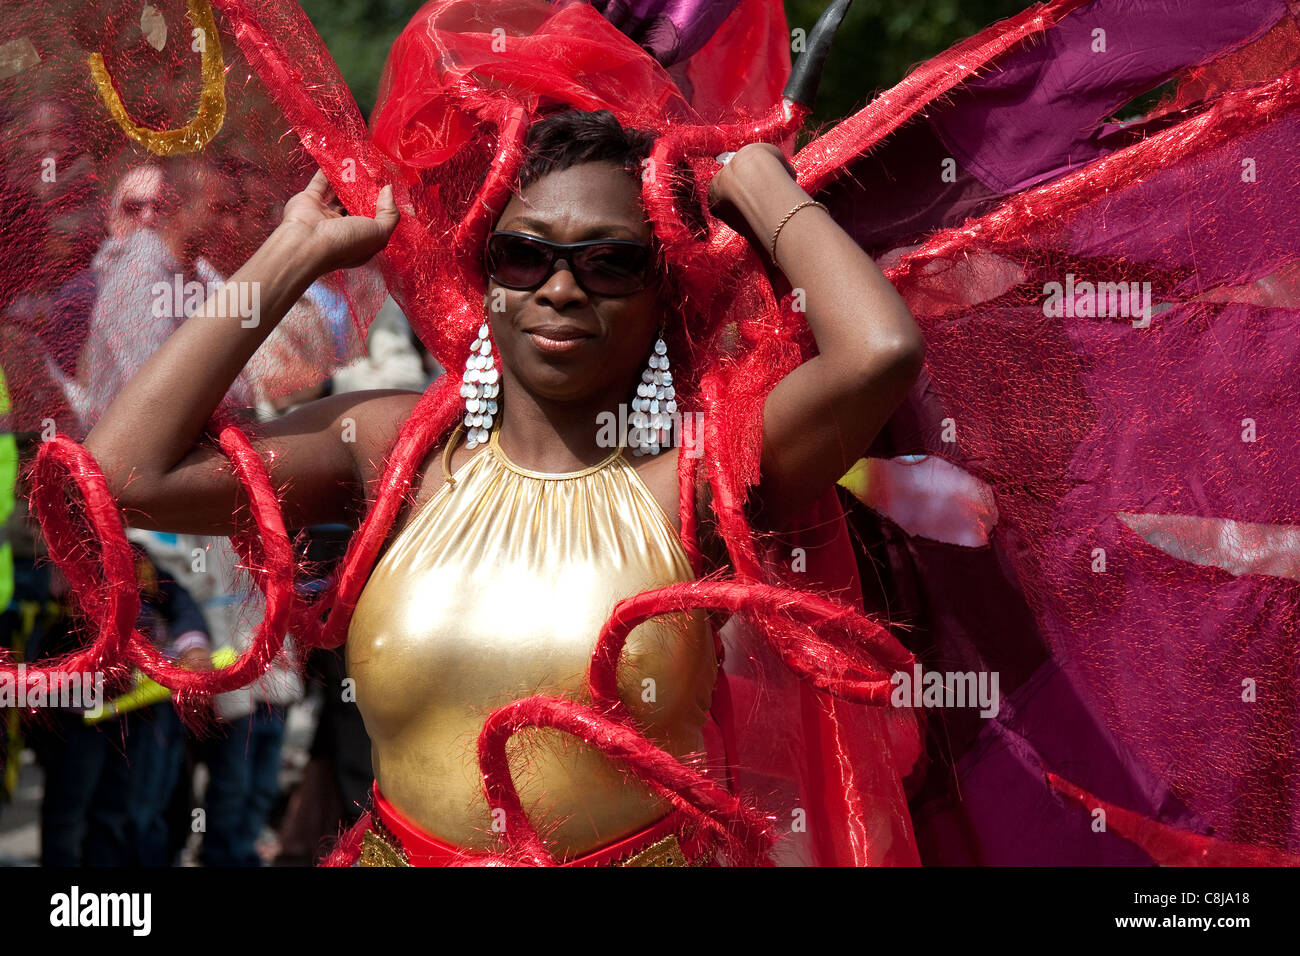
(659, 473)
(387, 408)
(368, 423)
(661, 476)
(350, 434)
(379, 417)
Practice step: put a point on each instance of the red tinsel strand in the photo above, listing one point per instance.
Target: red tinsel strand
(725, 245)
(497, 188)
(322, 111)
(819, 161)
(731, 524)
(1235, 113)
(739, 390)
(117, 643)
(812, 657)
(823, 158)
(746, 834)
(347, 848)
(106, 590)
(269, 554)
(1167, 845)
(340, 136)
(679, 246)
(815, 661)
(686, 468)
(688, 256)
(330, 139)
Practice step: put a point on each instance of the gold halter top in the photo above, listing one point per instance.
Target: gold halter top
(495, 591)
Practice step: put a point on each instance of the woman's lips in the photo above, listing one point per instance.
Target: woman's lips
(558, 341)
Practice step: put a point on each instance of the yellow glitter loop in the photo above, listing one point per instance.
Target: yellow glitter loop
(212, 101)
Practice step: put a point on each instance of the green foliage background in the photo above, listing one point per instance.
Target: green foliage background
(879, 42)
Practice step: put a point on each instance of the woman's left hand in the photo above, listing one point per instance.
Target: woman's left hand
(822, 416)
(750, 170)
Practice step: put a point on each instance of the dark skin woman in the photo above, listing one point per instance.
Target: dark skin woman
(817, 421)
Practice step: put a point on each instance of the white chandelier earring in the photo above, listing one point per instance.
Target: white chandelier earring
(480, 388)
(654, 405)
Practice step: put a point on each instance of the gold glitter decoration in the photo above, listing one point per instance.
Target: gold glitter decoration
(196, 134)
(667, 852)
(378, 850)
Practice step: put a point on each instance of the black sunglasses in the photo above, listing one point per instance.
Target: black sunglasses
(611, 267)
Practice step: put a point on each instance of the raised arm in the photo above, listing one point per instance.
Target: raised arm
(821, 417)
(146, 439)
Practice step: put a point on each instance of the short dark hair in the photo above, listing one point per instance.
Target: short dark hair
(571, 137)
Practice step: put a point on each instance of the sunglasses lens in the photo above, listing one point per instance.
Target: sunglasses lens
(517, 263)
(613, 269)
(608, 268)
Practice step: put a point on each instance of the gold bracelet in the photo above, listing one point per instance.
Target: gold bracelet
(781, 225)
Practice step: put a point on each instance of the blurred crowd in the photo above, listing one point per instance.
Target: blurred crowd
(81, 312)
(124, 783)
(134, 786)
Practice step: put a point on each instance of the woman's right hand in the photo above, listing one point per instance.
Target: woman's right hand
(335, 239)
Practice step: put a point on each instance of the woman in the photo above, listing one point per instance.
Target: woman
(439, 639)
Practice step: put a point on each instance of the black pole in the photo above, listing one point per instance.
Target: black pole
(807, 72)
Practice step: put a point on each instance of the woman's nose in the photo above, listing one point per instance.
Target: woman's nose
(561, 286)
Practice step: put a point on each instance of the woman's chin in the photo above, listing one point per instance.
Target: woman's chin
(554, 383)
(569, 389)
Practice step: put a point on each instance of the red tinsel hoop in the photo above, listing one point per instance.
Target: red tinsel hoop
(746, 835)
(862, 637)
(105, 590)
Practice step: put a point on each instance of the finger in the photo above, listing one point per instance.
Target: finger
(386, 213)
(319, 185)
(329, 197)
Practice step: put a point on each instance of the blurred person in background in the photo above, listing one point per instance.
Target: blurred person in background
(198, 233)
(243, 755)
(160, 235)
(49, 179)
(335, 783)
(49, 185)
(109, 785)
(139, 201)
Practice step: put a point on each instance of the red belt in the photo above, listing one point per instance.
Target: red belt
(673, 832)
